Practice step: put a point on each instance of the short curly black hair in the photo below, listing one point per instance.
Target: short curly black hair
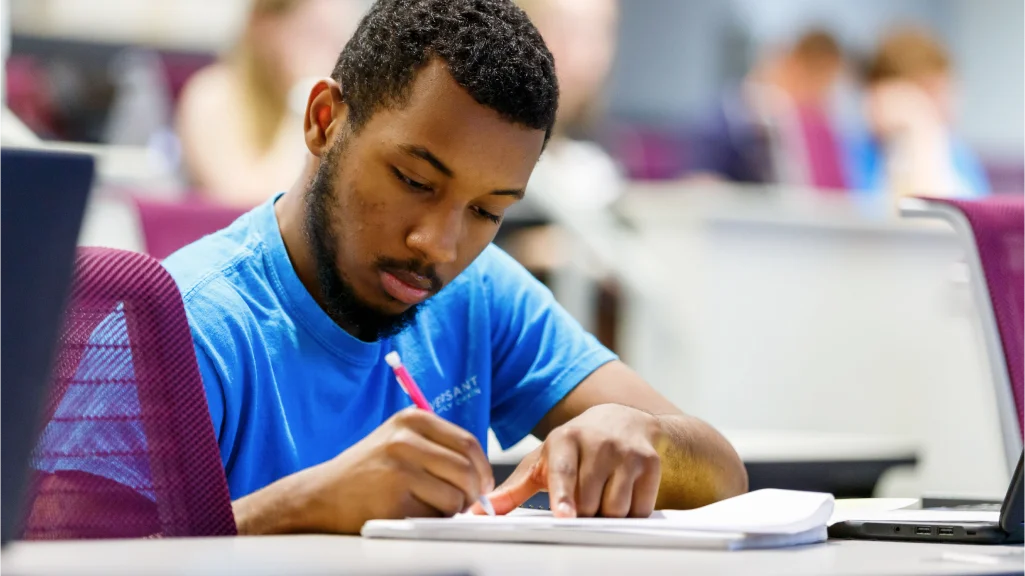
(490, 47)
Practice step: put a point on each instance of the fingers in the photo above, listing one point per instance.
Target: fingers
(596, 465)
(522, 484)
(438, 497)
(561, 459)
(447, 434)
(618, 495)
(646, 489)
(440, 462)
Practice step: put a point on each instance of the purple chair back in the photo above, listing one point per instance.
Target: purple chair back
(168, 226)
(994, 233)
(128, 448)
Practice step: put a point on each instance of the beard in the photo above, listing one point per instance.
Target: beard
(338, 297)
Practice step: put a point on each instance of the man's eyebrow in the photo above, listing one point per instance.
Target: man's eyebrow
(517, 193)
(425, 154)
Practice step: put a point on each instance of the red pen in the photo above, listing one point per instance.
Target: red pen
(406, 382)
(413, 391)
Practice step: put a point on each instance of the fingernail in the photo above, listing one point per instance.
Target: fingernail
(490, 486)
(564, 510)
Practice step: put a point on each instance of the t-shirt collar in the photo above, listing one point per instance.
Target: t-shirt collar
(301, 305)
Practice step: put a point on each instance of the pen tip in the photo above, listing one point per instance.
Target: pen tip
(486, 505)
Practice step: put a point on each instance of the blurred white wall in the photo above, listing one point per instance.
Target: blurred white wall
(669, 58)
(5, 46)
(681, 51)
(207, 25)
(990, 50)
(675, 54)
(856, 24)
(186, 24)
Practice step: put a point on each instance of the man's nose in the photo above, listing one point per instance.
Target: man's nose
(436, 236)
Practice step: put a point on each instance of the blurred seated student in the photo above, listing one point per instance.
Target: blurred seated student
(573, 170)
(909, 109)
(574, 173)
(240, 119)
(775, 127)
(581, 35)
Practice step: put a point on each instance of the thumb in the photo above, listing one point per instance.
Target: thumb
(521, 485)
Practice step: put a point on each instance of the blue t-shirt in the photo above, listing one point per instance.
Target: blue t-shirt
(288, 389)
(866, 164)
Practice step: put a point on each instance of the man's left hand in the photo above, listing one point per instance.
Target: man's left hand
(604, 462)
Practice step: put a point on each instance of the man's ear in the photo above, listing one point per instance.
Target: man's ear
(326, 113)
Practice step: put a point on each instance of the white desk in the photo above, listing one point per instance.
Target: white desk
(348, 555)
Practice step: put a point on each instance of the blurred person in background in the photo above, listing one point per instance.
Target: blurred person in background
(776, 127)
(574, 174)
(240, 120)
(581, 35)
(910, 111)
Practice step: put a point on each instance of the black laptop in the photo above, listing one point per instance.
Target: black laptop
(43, 201)
(944, 526)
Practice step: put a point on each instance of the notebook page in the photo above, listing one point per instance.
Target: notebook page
(767, 511)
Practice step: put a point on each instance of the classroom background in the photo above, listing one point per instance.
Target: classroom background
(720, 204)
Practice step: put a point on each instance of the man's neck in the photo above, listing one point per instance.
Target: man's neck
(290, 210)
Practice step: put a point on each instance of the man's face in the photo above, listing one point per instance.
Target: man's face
(400, 209)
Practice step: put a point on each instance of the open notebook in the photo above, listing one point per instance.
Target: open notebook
(761, 519)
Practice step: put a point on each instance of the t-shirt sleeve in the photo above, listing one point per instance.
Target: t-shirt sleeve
(218, 335)
(214, 391)
(539, 352)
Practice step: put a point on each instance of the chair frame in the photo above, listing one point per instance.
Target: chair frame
(981, 297)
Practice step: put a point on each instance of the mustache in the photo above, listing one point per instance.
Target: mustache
(414, 266)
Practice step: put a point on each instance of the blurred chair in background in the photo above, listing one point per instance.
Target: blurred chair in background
(168, 226)
(240, 120)
(776, 127)
(128, 449)
(909, 108)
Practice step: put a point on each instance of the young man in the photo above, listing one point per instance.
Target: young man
(426, 132)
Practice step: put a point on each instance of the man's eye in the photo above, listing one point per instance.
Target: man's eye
(486, 215)
(415, 184)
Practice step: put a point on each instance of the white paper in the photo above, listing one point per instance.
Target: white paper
(768, 511)
(764, 518)
(854, 507)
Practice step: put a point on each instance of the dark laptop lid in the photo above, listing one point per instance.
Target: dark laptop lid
(43, 200)
(1011, 511)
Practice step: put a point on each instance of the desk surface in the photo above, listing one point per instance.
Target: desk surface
(350, 555)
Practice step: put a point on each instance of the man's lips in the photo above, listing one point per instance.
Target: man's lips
(406, 287)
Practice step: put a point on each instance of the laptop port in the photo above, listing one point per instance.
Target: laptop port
(923, 530)
(947, 531)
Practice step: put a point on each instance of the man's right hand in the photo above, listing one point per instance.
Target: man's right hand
(415, 464)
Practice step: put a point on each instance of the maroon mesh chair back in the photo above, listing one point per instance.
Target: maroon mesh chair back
(994, 231)
(127, 447)
(168, 226)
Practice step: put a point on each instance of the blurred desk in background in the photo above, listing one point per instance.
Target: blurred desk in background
(781, 309)
(845, 465)
(773, 308)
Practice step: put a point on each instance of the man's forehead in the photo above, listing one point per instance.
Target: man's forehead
(442, 117)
